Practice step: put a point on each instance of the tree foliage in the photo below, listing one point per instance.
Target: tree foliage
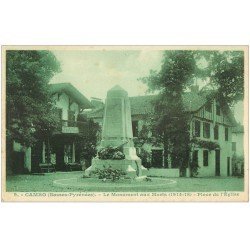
(87, 140)
(209, 145)
(171, 121)
(29, 108)
(223, 72)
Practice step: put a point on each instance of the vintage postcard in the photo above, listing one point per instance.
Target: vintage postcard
(125, 123)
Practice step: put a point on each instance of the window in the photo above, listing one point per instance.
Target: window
(217, 109)
(197, 128)
(228, 166)
(68, 153)
(216, 132)
(234, 146)
(208, 107)
(71, 118)
(205, 158)
(226, 134)
(46, 152)
(206, 130)
(135, 128)
(58, 112)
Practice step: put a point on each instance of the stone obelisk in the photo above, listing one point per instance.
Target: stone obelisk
(117, 131)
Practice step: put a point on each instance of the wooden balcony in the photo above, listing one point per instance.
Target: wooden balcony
(73, 127)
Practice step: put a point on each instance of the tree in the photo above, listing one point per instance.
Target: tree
(29, 108)
(87, 140)
(171, 120)
(179, 69)
(225, 74)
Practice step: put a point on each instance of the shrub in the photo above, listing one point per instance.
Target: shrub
(111, 153)
(238, 166)
(109, 174)
(145, 158)
(210, 145)
(194, 167)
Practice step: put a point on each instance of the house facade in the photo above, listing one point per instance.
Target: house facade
(238, 149)
(238, 140)
(208, 123)
(211, 124)
(57, 152)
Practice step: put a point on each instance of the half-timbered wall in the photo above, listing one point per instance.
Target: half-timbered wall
(214, 117)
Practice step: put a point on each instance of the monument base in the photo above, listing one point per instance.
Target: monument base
(132, 168)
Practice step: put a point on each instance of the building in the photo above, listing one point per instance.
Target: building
(59, 151)
(237, 140)
(238, 149)
(208, 123)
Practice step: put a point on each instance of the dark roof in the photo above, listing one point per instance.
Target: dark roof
(97, 103)
(193, 101)
(95, 113)
(238, 129)
(70, 90)
(141, 105)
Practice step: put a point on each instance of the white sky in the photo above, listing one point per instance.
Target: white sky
(93, 73)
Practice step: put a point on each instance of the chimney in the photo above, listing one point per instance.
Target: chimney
(96, 102)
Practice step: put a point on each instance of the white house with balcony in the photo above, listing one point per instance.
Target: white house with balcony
(60, 152)
(69, 102)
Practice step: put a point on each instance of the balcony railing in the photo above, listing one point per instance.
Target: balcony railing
(73, 127)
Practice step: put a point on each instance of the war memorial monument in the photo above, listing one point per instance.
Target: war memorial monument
(117, 133)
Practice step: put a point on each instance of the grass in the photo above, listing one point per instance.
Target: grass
(44, 183)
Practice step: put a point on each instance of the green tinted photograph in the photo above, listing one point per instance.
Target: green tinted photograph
(124, 120)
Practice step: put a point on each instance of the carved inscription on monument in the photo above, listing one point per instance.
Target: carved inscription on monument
(113, 123)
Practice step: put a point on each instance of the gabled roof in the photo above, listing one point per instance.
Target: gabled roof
(70, 90)
(194, 101)
(141, 105)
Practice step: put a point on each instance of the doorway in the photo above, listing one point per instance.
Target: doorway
(217, 162)
(60, 157)
(18, 162)
(228, 166)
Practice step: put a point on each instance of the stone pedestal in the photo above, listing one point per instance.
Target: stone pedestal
(117, 132)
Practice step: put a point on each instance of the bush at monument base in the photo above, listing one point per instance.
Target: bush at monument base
(132, 168)
(110, 153)
(109, 174)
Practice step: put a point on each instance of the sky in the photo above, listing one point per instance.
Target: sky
(94, 72)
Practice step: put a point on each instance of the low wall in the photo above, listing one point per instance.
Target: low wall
(164, 172)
